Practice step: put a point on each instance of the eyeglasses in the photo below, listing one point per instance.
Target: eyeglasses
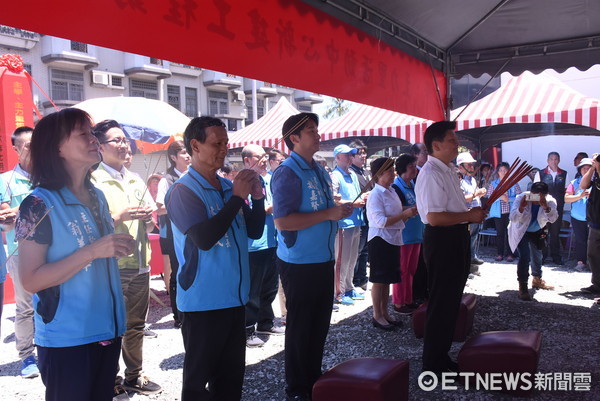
(118, 141)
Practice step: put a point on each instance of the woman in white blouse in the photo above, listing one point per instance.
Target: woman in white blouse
(386, 221)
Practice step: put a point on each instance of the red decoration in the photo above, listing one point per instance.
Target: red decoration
(13, 62)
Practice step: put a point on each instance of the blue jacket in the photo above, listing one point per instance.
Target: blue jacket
(220, 277)
(314, 244)
(89, 307)
(349, 190)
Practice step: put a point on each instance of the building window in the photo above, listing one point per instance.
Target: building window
(218, 103)
(79, 47)
(147, 89)
(260, 110)
(174, 96)
(305, 108)
(191, 102)
(232, 124)
(66, 85)
(156, 61)
(116, 81)
(27, 68)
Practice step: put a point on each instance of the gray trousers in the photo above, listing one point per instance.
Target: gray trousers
(346, 254)
(24, 327)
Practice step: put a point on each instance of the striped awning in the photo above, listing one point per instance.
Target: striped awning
(266, 131)
(530, 98)
(371, 121)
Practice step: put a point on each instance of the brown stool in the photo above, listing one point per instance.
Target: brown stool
(503, 352)
(362, 379)
(464, 322)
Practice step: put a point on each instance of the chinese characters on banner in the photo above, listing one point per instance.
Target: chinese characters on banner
(16, 106)
(286, 42)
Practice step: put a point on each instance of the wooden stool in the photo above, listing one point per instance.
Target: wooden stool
(464, 322)
(503, 352)
(364, 379)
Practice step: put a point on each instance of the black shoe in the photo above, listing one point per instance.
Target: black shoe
(142, 385)
(476, 261)
(177, 324)
(397, 323)
(385, 327)
(558, 261)
(592, 289)
(451, 366)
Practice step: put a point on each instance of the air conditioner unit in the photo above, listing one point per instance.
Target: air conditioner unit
(100, 78)
(238, 96)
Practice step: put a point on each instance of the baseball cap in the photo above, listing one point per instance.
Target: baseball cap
(344, 149)
(464, 157)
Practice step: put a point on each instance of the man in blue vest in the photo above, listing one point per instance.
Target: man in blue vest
(346, 188)
(211, 224)
(263, 272)
(556, 178)
(306, 217)
(17, 186)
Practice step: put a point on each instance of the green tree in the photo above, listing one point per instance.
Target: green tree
(336, 108)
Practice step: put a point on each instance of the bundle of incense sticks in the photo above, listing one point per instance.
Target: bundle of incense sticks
(388, 163)
(517, 171)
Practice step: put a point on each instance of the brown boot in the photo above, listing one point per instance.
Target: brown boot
(540, 284)
(523, 291)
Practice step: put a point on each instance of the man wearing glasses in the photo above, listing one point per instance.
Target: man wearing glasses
(275, 159)
(131, 207)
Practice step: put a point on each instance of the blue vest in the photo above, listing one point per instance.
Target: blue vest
(89, 307)
(496, 208)
(314, 244)
(578, 209)
(349, 189)
(220, 277)
(269, 235)
(413, 227)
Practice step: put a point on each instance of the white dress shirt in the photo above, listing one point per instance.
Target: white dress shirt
(438, 189)
(383, 203)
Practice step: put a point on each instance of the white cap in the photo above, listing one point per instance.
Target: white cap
(586, 161)
(464, 157)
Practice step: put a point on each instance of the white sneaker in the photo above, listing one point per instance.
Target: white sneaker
(359, 290)
(581, 267)
(252, 341)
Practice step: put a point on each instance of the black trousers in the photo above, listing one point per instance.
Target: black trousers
(215, 354)
(447, 254)
(309, 295)
(264, 282)
(80, 373)
(501, 224)
(168, 248)
(553, 236)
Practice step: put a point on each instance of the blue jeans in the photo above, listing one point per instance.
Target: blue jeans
(474, 230)
(528, 253)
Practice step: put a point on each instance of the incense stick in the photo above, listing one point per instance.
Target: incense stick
(383, 169)
(517, 171)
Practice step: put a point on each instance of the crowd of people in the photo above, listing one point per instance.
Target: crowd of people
(233, 240)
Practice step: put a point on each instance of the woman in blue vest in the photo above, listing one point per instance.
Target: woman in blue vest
(68, 260)
(578, 198)
(500, 211)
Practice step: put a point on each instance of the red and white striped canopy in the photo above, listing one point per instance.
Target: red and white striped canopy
(530, 98)
(265, 131)
(366, 120)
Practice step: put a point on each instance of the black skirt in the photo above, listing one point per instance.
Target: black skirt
(384, 261)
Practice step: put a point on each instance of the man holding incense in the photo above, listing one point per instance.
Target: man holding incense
(306, 217)
(131, 207)
(446, 243)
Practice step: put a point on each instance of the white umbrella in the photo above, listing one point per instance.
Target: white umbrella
(146, 120)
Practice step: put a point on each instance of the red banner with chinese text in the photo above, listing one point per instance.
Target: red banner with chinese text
(16, 110)
(286, 42)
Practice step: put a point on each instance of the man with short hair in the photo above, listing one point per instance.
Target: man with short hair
(17, 186)
(211, 224)
(591, 179)
(131, 207)
(419, 150)
(306, 218)
(556, 179)
(347, 188)
(261, 253)
(473, 194)
(443, 210)
(275, 159)
(360, 279)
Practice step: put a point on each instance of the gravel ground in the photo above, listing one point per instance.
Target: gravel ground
(567, 319)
